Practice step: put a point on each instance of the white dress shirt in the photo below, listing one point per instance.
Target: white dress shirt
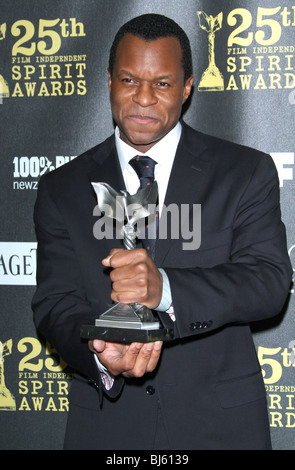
(163, 153)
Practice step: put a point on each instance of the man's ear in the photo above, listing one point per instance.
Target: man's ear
(109, 80)
(187, 88)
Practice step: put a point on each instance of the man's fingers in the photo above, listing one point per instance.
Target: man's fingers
(130, 360)
(107, 261)
(131, 356)
(97, 345)
(118, 257)
(146, 360)
(156, 352)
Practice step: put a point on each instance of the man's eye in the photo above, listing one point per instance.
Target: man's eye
(127, 80)
(163, 84)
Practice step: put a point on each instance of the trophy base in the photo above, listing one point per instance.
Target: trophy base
(126, 335)
(127, 323)
(212, 80)
(213, 88)
(7, 401)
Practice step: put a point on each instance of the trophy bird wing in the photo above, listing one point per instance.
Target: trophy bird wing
(143, 203)
(218, 22)
(209, 23)
(145, 196)
(204, 21)
(109, 201)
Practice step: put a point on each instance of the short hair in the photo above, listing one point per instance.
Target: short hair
(150, 27)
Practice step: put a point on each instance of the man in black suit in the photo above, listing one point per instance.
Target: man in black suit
(204, 389)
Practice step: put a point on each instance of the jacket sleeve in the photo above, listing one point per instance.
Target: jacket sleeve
(253, 285)
(60, 303)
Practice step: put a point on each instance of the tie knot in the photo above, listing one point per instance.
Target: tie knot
(144, 167)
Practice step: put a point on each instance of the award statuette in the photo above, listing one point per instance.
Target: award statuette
(212, 79)
(127, 323)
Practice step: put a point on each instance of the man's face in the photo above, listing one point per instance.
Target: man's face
(147, 89)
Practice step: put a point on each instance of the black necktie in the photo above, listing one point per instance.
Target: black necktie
(145, 167)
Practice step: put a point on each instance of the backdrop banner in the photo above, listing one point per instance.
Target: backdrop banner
(54, 105)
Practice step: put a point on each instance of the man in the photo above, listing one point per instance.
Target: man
(204, 389)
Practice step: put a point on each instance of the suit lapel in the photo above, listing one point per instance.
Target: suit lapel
(106, 166)
(188, 175)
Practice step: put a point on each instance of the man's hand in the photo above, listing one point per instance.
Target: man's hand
(135, 277)
(130, 360)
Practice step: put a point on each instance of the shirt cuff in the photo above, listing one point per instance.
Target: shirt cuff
(166, 301)
(106, 376)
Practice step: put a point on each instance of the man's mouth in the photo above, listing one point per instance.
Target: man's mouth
(140, 119)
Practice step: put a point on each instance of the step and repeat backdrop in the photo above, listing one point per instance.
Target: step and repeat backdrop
(54, 105)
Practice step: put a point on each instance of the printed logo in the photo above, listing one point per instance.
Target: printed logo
(18, 263)
(291, 97)
(28, 170)
(212, 79)
(281, 159)
(4, 89)
(40, 381)
(2, 31)
(258, 54)
(7, 401)
(39, 67)
(275, 362)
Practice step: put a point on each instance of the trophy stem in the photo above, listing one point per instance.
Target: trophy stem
(129, 240)
(211, 50)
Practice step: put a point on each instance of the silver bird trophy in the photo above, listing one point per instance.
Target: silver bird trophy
(127, 323)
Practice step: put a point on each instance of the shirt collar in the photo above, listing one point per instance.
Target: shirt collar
(162, 152)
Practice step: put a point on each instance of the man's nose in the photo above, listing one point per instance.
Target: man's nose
(145, 95)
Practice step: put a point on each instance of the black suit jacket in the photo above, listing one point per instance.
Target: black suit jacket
(208, 382)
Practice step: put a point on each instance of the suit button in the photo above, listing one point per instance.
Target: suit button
(200, 325)
(150, 390)
(195, 326)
